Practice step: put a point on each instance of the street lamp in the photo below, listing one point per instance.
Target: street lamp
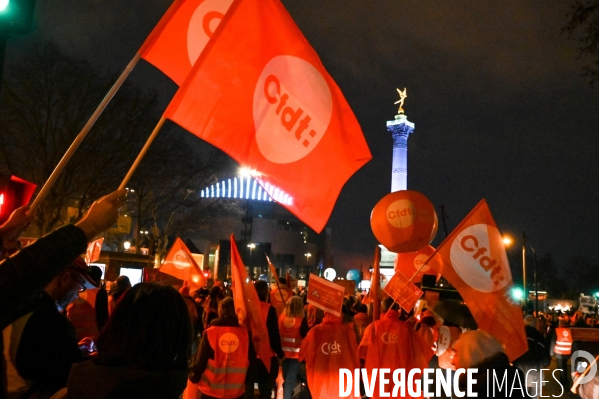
(251, 246)
(307, 255)
(126, 245)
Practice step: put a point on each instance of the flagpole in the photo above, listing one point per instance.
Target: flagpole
(143, 152)
(376, 304)
(276, 280)
(67, 156)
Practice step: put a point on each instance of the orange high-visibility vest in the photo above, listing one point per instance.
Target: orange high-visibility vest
(225, 374)
(264, 308)
(563, 341)
(291, 339)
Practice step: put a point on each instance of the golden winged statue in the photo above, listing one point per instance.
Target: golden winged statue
(402, 97)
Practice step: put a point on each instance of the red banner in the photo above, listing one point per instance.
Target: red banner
(247, 306)
(473, 259)
(182, 34)
(403, 291)
(260, 93)
(325, 295)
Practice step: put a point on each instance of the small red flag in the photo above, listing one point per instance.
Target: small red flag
(412, 264)
(247, 306)
(180, 264)
(182, 34)
(260, 93)
(473, 259)
(94, 248)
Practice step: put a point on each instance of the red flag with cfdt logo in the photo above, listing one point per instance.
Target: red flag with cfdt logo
(260, 93)
(180, 264)
(247, 306)
(182, 34)
(412, 264)
(473, 259)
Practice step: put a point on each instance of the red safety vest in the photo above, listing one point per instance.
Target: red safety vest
(289, 328)
(563, 341)
(278, 298)
(225, 374)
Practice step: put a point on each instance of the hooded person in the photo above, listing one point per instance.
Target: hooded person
(329, 347)
(479, 349)
(391, 343)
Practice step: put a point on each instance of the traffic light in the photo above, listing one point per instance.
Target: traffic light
(14, 193)
(16, 16)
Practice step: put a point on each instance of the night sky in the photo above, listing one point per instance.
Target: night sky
(494, 88)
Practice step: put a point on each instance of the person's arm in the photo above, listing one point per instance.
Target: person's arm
(204, 353)
(27, 272)
(274, 336)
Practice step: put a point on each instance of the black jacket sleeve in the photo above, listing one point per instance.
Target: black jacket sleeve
(272, 325)
(26, 273)
(304, 328)
(203, 354)
(47, 348)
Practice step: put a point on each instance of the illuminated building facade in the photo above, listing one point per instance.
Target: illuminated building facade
(266, 228)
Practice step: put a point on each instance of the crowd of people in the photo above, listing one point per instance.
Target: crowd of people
(68, 334)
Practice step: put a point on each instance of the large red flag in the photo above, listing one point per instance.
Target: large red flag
(180, 264)
(260, 93)
(182, 34)
(247, 306)
(473, 259)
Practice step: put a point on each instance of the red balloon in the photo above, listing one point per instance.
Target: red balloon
(404, 221)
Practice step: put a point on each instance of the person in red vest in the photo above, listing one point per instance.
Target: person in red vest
(222, 361)
(257, 371)
(393, 344)
(561, 348)
(327, 348)
(293, 327)
(280, 295)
